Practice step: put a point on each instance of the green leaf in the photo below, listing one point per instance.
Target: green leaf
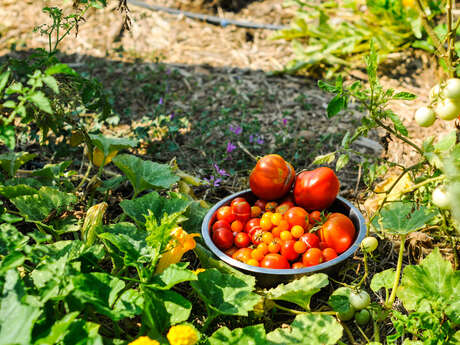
(327, 87)
(251, 335)
(8, 136)
(11, 192)
(300, 290)
(51, 83)
(145, 175)
(41, 101)
(173, 275)
(9, 104)
(446, 142)
(10, 162)
(433, 281)
(308, 329)
(11, 261)
(383, 279)
(401, 218)
(11, 239)
(4, 79)
(17, 319)
(51, 172)
(83, 333)
(404, 96)
(399, 126)
(109, 144)
(58, 330)
(340, 300)
(37, 207)
(139, 207)
(225, 294)
(342, 161)
(60, 68)
(324, 159)
(336, 104)
(371, 65)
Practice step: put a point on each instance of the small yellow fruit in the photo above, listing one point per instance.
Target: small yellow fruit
(98, 157)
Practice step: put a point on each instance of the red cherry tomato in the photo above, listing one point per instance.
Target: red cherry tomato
(283, 207)
(231, 251)
(271, 206)
(323, 245)
(296, 216)
(272, 177)
(221, 224)
(241, 210)
(261, 204)
(225, 213)
(311, 240)
(242, 254)
(241, 240)
(256, 235)
(251, 223)
(316, 189)
(338, 232)
(288, 251)
(223, 238)
(275, 261)
(312, 257)
(315, 217)
(329, 254)
(297, 265)
(238, 199)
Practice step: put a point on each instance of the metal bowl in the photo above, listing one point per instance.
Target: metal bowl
(267, 277)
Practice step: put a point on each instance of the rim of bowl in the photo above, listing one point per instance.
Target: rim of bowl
(290, 271)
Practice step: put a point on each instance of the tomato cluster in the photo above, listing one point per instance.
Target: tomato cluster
(280, 234)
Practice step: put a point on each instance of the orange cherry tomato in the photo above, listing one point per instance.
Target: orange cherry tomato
(312, 257)
(329, 254)
(300, 247)
(297, 231)
(338, 232)
(242, 254)
(237, 226)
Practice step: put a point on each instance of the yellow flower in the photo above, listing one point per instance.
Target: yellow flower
(199, 270)
(180, 243)
(144, 341)
(182, 335)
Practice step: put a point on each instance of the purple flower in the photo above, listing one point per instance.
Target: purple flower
(230, 147)
(237, 130)
(213, 181)
(160, 102)
(168, 71)
(220, 171)
(171, 116)
(259, 140)
(251, 138)
(285, 121)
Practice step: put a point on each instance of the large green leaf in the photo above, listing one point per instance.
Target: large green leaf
(11, 239)
(433, 281)
(340, 300)
(173, 275)
(41, 101)
(58, 330)
(145, 175)
(38, 207)
(83, 333)
(383, 279)
(225, 294)
(52, 172)
(16, 318)
(10, 162)
(110, 144)
(138, 208)
(251, 335)
(308, 329)
(11, 192)
(401, 218)
(195, 214)
(300, 290)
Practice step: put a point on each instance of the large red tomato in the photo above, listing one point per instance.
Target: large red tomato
(272, 177)
(338, 232)
(316, 189)
(276, 261)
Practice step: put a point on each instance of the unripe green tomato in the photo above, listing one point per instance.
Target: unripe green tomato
(452, 88)
(362, 317)
(425, 116)
(448, 109)
(434, 92)
(348, 315)
(441, 197)
(369, 244)
(360, 300)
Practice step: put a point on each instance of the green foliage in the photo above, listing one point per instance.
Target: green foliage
(340, 300)
(383, 279)
(254, 335)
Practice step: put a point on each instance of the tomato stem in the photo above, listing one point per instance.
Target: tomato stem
(348, 332)
(392, 298)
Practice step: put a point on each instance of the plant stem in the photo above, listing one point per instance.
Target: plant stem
(209, 320)
(362, 333)
(429, 29)
(348, 332)
(429, 180)
(392, 298)
(366, 270)
(376, 330)
(396, 134)
(450, 39)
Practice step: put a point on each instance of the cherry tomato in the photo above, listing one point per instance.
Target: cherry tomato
(251, 223)
(272, 177)
(271, 206)
(316, 189)
(275, 261)
(276, 231)
(300, 247)
(256, 236)
(266, 224)
(263, 247)
(221, 224)
(311, 240)
(257, 254)
(297, 231)
(252, 262)
(296, 216)
(223, 238)
(323, 245)
(338, 232)
(283, 225)
(329, 254)
(287, 250)
(255, 211)
(297, 265)
(237, 200)
(241, 240)
(231, 251)
(312, 257)
(276, 218)
(242, 210)
(260, 204)
(315, 217)
(274, 246)
(225, 213)
(267, 237)
(237, 226)
(283, 207)
(242, 254)
(286, 235)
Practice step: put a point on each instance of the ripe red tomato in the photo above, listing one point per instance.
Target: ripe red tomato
(251, 223)
(315, 217)
(297, 265)
(272, 177)
(231, 251)
(296, 216)
(221, 224)
(242, 254)
(225, 213)
(223, 238)
(241, 210)
(256, 235)
(283, 207)
(316, 189)
(241, 240)
(288, 251)
(312, 257)
(311, 240)
(275, 261)
(261, 204)
(338, 232)
(238, 199)
(329, 254)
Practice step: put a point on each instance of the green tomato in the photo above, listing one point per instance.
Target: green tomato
(362, 317)
(441, 197)
(434, 92)
(448, 109)
(452, 88)
(360, 300)
(348, 315)
(369, 244)
(425, 117)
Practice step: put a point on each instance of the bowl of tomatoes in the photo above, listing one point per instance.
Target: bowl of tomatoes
(279, 253)
(286, 225)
